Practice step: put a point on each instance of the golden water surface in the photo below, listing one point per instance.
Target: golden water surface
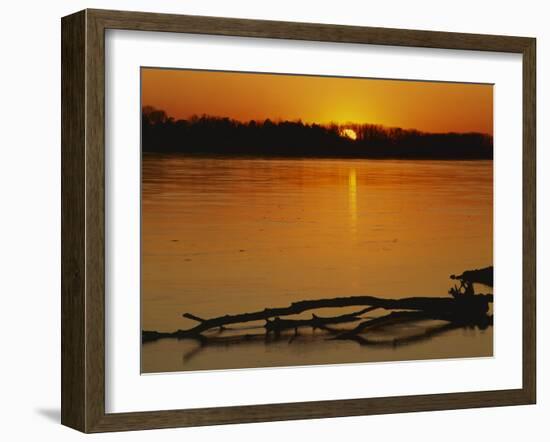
(231, 235)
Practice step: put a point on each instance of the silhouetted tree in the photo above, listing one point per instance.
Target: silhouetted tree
(221, 135)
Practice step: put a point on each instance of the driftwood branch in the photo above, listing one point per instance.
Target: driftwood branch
(482, 276)
(193, 317)
(389, 319)
(416, 303)
(279, 324)
(424, 334)
(464, 308)
(198, 319)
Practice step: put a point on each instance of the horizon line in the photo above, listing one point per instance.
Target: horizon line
(305, 122)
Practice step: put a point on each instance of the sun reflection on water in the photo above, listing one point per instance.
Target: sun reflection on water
(352, 198)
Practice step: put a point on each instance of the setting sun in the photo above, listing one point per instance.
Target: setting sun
(349, 133)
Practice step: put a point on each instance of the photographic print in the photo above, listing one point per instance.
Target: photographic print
(295, 220)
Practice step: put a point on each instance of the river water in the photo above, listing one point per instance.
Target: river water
(231, 235)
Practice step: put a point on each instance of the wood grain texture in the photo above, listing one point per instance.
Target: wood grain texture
(83, 220)
(95, 222)
(73, 129)
(144, 21)
(529, 220)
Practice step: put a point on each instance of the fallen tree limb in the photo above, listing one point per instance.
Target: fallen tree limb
(469, 311)
(448, 308)
(278, 324)
(414, 303)
(418, 337)
(391, 318)
(482, 276)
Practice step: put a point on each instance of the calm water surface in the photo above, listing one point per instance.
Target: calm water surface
(230, 235)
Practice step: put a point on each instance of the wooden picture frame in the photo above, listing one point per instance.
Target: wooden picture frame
(83, 220)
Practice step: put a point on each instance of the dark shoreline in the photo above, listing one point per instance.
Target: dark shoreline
(291, 139)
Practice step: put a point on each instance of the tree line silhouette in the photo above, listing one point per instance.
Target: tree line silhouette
(220, 135)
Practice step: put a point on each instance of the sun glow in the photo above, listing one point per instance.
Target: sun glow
(349, 133)
(244, 96)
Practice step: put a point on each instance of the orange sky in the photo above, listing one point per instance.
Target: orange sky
(426, 106)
